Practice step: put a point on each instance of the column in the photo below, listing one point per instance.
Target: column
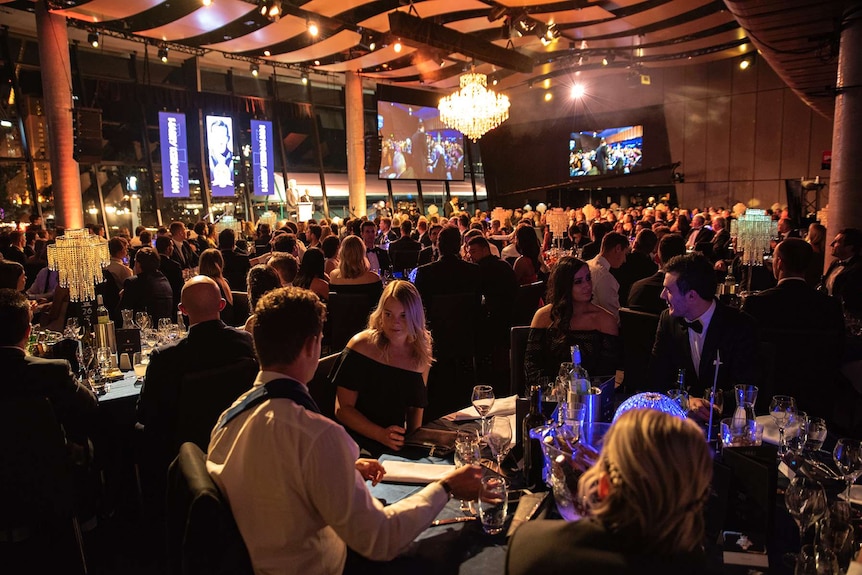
(57, 93)
(355, 143)
(845, 185)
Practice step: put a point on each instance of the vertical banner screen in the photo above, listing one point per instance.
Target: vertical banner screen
(220, 153)
(262, 162)
(175, 158)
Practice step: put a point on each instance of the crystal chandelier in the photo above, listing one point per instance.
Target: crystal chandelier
(474, 109)
(79, 257)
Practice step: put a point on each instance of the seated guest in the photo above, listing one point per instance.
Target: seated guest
(261, 279)
(28, 376)
(291, 476)
(352, 274)
(170, 268)
(639, 264)
(330, 246)
(594, 246)
(645, 294)
(148, 290)
(450, 274)
(382, 376)
(404, 252)
(571, 319)
(311, 275)
(285, 265)
(263, 235)
(211, 265)
(529, 267)
(118, 249)
(643, 516)
(12, 275)
(817, 238)
(201, 240)
(615, 247)
(843, 279)
(236, 265)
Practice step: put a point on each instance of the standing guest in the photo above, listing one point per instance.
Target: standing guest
(645, 294)
(330, 245)
(212, 266)
(695, 328)
(497, 284)
(285, 265)
(148, 290)
(383, 373)
(378, 258)
(606, 295)
(843, 279)
(386, 234)
(570, 318)
(817, 238)
(529, 267)
(236, 265)
(183, 253)
(311, 275)
(352, 274)
(644, 516)
(119, 251)
(170, 268)
(291, 476)
(261, 280)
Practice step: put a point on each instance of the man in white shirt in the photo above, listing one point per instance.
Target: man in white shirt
(606, 288)
(118, 269)
(291, 476)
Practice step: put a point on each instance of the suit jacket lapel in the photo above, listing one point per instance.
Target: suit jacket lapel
(681, 334)
(710, 345)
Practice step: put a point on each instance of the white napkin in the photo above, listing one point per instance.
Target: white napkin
(502, 406)
(410, 472)
(770, 430)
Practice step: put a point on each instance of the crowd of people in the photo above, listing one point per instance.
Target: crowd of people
(273, 458)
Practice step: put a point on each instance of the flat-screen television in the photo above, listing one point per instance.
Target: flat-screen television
(612, 151)
(416, 145)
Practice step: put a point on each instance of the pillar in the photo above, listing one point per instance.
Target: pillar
(355, 144)
(57, 94)
(845, 185)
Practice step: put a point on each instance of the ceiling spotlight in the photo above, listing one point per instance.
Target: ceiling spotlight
(5, 124)
(372, 45)
(271, 9)
(317, 62)
(313, 29)
(525, 24)
(255, 70)
(549, 96)
(207, 2)
(495, 81)
(397, 46)
(163, 53)
(578, 91)
(93, 39)
(304, 77)
(267, 53)
(746, 62)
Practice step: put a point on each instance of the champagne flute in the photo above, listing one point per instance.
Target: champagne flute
(848, 457)
(782, 409)
(806, 502)
(499, 439)
(483, 401)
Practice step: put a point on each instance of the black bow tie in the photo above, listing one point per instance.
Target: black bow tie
(695, 325)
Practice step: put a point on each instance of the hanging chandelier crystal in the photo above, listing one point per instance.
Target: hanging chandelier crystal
(474, 110)
(78, 257)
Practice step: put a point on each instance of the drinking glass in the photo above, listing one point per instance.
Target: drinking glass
(499, 439)
(493, 504)
(806, 502)
(72, 329)
(151, 337)
(797, 431)
(467, 452)
(143, 320)
(483, 401)
(816, 560)
(140, 363)
(563, 382)
(781, 409)
(717, 401)
(103, 356)
(848, 457)
(816, 434)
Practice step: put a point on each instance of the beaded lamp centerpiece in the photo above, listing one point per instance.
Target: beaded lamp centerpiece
(651, 400)
(753, 232)
(78, 257)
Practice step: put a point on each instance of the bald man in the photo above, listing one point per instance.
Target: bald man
(209, 347)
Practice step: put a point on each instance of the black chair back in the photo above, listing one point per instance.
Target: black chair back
(321, 388)
(241, 307)
(518, 381)
(347, 315)
(202, 535)
(203, 396)
(452, 319)
(529, 298)
(404, 259)
(637, 331)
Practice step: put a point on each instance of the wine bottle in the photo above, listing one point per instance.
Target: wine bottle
(534, 460)
(680, 380)
(580, 377)
(101, 311)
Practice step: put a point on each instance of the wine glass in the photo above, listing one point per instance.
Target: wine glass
(499, 439)
(72, 328)
(143, 320)
(140, 363)
(151, 337)
(483, 401)
(103, 356)
(797, 431)
(717, 400)
(806, 502)
(782, 409)
(848, 457)
(816, 434)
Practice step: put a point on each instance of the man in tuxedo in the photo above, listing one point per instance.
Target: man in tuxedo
(645, 294)
(14, 248)
(12, 276)
(170, 269)
(28, 376)
(183, 252)
(699, 232)
(378, 258)
(420, 234)
(450, 274)
(236, 265)
(120, 272)
(721, 239)
(385, 234)
(639, 264)
(148, 290)
(404, 252)
(695, 329)
(843, 279)
(431, 253)
(499, 287)
(786, 229)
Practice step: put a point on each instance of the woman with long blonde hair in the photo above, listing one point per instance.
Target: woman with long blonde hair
(380, 382)
(644, 497)
(352, 274)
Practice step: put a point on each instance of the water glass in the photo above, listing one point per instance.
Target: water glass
(717, 401)
(493, 504)
(576, 411)
(816, 434)
(782, 409)
(816, 560)
(740, 432)
(143, 320)
(140, 363)
(848, 457)
(796, 432)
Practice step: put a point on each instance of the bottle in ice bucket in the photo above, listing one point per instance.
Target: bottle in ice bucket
(102, 315)
(580, 378)
(534, 460)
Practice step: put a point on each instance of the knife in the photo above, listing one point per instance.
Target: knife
(451, 520)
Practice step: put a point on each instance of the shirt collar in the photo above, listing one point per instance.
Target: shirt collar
(265, 376)
(782, 280)
(706, 316)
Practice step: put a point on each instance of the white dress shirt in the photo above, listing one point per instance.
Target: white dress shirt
(696, 340)
(290, 479)
(606, 288)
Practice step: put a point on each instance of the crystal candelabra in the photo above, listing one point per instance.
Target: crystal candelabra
(269, 217)
(78, 257)
(229, 222)
(558, 222)
(752, 233)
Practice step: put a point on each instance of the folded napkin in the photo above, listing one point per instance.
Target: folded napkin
(502, 406)
(770, 430)
(410, 472)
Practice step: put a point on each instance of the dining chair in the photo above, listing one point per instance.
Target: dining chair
(517, 350)
(241, 307)
(637, 333)
(347, 315)
(321, 388)
(528, 299)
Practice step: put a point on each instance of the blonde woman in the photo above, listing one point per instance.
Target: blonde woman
(352, 275)
(211, 264)
(645, 498)
(380, 383)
